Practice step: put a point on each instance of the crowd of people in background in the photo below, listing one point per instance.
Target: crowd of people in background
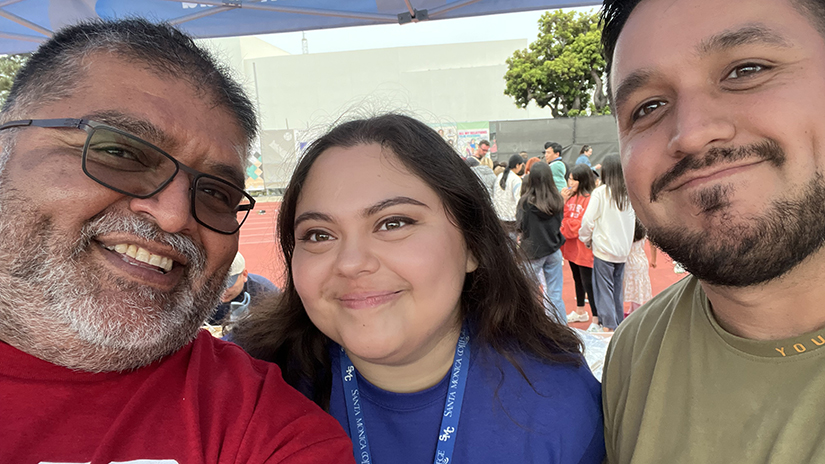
(580, 214)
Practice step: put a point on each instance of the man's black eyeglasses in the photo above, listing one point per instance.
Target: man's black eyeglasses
(126, 164)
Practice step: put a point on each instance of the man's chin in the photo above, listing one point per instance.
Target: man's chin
(737, 260)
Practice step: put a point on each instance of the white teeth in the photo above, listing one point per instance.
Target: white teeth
(155, 260)
(143, 255)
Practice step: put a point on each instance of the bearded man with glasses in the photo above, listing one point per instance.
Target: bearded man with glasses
(121, 193)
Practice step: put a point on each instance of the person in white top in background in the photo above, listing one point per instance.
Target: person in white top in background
(607, 228)
(507, 192)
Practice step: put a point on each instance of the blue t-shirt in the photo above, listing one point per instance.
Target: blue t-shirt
(502, 420)
(583, 159)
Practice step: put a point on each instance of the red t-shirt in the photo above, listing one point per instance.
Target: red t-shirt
(573, 249)
(208, 403)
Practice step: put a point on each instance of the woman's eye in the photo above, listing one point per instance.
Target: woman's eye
(745, 70)
(316, 236)
(648, 108)
(395, 223)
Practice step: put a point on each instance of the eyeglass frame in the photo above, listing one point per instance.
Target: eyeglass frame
(90, 127)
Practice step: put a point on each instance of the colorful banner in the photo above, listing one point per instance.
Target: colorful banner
(448, 132)
(255, 173)
(469, 134)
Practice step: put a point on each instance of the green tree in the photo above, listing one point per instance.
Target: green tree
(9, 64)
(563, 68)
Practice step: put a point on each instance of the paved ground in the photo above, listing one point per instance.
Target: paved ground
(257, 243)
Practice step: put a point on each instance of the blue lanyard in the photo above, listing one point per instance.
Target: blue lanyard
(452, 405)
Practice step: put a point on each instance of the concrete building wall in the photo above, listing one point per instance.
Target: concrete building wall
(437, 83)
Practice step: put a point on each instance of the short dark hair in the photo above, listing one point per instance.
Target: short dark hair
(484, 142)
(496, 300)
(614, 15)
(557, 148)
(56, 69)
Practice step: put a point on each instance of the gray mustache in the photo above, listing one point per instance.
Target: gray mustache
(146, 230)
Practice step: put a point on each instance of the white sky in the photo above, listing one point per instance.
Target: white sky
(522, 25)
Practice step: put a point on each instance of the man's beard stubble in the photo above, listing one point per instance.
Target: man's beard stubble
(52, 305)
(742, 251)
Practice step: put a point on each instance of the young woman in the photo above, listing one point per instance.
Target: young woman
(527, 166)
(540, 211)
(584, 157)
(580, 184)
(404, 313)
(507, 192)
(607, 229)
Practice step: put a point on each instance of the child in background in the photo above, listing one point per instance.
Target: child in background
(637, 288)
(577, 196)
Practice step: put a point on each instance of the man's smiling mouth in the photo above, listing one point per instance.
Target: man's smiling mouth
(163, 263)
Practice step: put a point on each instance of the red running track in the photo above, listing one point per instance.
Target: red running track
(258, 245)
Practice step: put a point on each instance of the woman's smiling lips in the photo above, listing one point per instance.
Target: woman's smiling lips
(367, 300)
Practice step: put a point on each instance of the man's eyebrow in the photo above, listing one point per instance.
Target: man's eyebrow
(153, 134)
(135, 126)
(367, 212)
(629, 85)
(754, 33)
(227, 172)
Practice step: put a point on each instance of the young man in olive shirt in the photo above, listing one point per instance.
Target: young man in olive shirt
(723, 145)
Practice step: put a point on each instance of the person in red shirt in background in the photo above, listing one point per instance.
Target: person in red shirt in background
(581, 182)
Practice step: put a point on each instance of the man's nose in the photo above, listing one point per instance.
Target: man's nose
(701, 121)
(170, 208)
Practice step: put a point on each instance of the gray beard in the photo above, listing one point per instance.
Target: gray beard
(52, 305)
(741, 252)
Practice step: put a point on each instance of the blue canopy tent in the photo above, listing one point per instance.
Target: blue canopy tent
(26, 23)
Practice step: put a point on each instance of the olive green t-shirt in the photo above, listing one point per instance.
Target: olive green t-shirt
(678, 388)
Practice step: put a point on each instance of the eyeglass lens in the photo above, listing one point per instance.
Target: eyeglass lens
(130, 165)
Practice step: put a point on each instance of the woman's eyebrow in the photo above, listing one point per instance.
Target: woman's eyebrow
(312, 216)
(369, 211)
(381, 205)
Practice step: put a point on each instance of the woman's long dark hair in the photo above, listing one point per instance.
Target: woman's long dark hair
(613, 178)
(495, 301)
(514, 161)
(541, 191)
(585, 177)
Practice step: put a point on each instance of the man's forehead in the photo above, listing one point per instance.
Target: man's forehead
(662, 31)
